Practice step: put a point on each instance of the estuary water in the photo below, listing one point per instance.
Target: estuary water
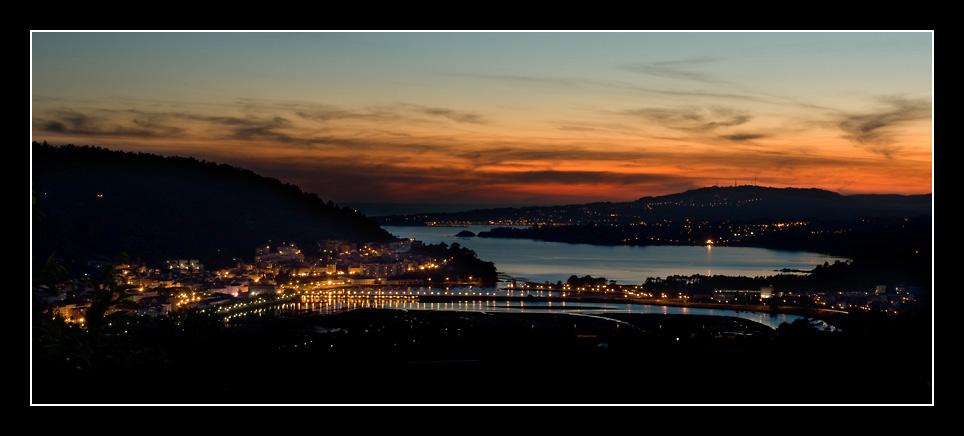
(555, 261)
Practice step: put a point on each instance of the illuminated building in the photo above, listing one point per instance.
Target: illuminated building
(255, 289)
(279, 253)
(766, 292)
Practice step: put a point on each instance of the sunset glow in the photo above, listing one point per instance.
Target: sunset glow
(504, 118)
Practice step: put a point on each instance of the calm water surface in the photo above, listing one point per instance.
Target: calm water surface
(554, 261)
(329, 306)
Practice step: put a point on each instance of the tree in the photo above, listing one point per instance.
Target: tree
(802, 328)
(53, 272)
(123, 258)
(773, 303)
(107, 294)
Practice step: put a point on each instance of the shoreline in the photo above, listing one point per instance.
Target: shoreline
(843, 256)
(787, 310)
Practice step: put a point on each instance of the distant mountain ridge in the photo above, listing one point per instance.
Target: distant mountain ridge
(758, 202)
(91, 201)
(709, 203)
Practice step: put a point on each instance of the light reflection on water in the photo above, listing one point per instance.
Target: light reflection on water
(331, 305)
(554, 261)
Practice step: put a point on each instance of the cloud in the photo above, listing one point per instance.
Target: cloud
(577, 128)
(740, 137)
(330, 113)
(572, 125)
(391, 181)
(397, 112)
(688, 119)
(451, 114)
(623, 87)
(583, 177)
(674, 70)
(69, 122)
(269, 130)
(696, 162)
(504, 155)
(876, 131)
(534, 80)
(257, 129)
(615, 86)
(146, 124)
(376, 153)
(246, 128)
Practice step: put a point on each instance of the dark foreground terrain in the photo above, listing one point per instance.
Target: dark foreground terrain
(393, 356)
(90, 202)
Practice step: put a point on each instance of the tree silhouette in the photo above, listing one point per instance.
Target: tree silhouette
(53, 272)
(773, 303)
(800, 329)
(107, 294)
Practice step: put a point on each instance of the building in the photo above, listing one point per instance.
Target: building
(333, 246)
(383, 269)
(255, 289)
(216, 300)
(154, 306)
(337, 247)
(881, 290)
(766, 292)
(279, 253)
(306, 271)
(183, 264)
(73, 313)
(233, 289)
(736, 295)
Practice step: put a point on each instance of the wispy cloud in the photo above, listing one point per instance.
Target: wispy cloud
(70, 122)
(324, 113)
(269, 123)
(394, 182)
(432, 153)
(741, 137)
(450, 114)
(570, 128)
(617, 86)
(692, 119)
(396, 112)
(502, 155)
(733, 93)
(582, 177)
(876, 130)
(676, 69)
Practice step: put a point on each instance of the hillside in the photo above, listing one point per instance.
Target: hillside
(90, 201)
(758, 202)
(740, 203)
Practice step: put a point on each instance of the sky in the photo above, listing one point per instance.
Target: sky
(504, 118)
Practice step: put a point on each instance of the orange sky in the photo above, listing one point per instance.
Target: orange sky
(550, 120)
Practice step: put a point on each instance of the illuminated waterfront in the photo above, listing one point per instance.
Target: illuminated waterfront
(326, 304)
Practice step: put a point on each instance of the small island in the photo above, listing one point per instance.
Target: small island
(465, 234)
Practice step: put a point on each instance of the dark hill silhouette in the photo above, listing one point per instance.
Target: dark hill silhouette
(758, 202)
(739, 203)
(91, 201)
